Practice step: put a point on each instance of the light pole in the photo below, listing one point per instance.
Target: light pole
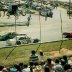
(61, 31)
(15, 23)
(69, 8)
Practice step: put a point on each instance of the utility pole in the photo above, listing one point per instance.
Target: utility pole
(61, 31)
(69, 8)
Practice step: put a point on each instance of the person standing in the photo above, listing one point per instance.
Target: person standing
(41, 57)
(33, 57)
(28, 20)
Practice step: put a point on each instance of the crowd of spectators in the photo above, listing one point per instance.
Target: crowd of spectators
(37, 63)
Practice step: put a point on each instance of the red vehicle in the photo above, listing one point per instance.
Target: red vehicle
(67, 34)
(69, 11)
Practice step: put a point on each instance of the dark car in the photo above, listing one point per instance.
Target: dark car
(69, 11)
(34, 5)
(46, 13)
(67, 34)
(45, 2)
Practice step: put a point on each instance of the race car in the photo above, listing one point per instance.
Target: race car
(21, 39)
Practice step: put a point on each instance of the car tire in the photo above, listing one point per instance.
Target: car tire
(36, 40)
(51, 16)
(18, 43)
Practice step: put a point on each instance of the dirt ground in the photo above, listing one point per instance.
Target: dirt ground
(63, 51)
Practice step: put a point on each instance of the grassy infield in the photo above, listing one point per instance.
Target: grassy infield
(21, 54)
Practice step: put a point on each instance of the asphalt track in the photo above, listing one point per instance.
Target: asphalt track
(50, 28)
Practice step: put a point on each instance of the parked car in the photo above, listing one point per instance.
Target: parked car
(46, 13)
(67, 34)
(46, 2)
(35, 5)
(29, 11)
(69, 11)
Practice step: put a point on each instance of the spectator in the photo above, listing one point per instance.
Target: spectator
(49, 64)
(57, 67)
(21, 66)
(63, 62)
(4, 12)
(17, 67)
(31, 66)
(65, 58)
(67, 68)
(28, 20)
(26, 69)
(46, 69)
(33, 58)
(8, 69)
(1, 67)
(13, 70)
(4, 70)
(41, 57)
(37, 68)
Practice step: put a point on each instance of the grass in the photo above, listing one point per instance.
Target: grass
(71, 15)
(22, 53)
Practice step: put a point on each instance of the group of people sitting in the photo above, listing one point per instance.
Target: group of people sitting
(37, 63)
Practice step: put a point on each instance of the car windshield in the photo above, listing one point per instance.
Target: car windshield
(21, 38)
